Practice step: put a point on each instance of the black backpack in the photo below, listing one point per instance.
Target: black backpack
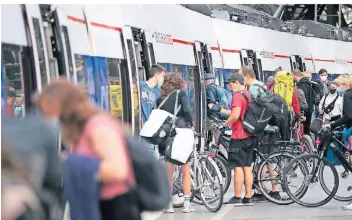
(257, 115)
(317, 92)
(153, 191)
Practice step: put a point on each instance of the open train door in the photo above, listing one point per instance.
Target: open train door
(204, 63)
(139, 53)
(38, 41)
(60, 55)
(297, 63)
(253, 59)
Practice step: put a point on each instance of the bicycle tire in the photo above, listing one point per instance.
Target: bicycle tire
(221, 162)
(260, 181)
(220, 197)
(304, 158)
(327, 191)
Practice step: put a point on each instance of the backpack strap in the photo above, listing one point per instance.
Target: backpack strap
(261, 87)
(163, 102)
(324, 101)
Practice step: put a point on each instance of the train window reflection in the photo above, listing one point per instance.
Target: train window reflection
(135, 86)
(40, 49)
(115, 88)
(177, 68)
(13, 80)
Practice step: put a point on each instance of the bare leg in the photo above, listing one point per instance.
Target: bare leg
(186, 178)
(238, 181)
(248, 181)
(170, 173)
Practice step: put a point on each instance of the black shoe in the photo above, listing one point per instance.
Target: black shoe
(236, 201)
(247, 201)
(275, 195)
(258, 197)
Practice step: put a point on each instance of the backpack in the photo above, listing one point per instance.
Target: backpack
(257, 115)
(331, 105)
(316, 92)
(284, 86)
(153, 193)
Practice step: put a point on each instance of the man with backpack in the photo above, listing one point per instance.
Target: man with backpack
(217, 95)
(240, 154)
(309, 89)
(255, 87)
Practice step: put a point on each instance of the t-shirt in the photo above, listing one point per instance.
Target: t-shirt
(255, 89)
(238, 100)
(148, 99)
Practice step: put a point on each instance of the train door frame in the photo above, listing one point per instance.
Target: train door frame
(134, 38)
(35, 20)
(204, 63)
(252, 58)
(297, 62)
(61, 54)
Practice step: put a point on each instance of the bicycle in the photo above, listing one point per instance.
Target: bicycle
(306, 141)
(273, 162)
(204, 173)
(327, 141)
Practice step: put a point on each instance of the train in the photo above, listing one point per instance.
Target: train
(108, 49)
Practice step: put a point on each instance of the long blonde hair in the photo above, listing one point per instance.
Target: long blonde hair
(345, 79)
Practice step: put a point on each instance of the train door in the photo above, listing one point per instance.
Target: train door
(297, 63)
(204, 64)
(139, 53)
(39, 46)
(59, 51)
(253, 59)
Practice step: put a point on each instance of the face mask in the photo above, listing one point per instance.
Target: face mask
(160, 81)
(332, 91)
(340, 91)
(323, 78)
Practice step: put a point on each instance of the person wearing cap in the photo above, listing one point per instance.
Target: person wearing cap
(240, 153)
(217, 95)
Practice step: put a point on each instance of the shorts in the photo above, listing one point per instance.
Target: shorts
(240, 153)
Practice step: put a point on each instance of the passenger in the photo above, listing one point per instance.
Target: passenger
(149, 93)
(344, 83)
(240, 155)
(270, 83)
(173, 82)
(304, 84)
(10, 101)
(323, 82)
(18, 198)
(89, 131)
(330, 105)
(216, 95)
(254, 85)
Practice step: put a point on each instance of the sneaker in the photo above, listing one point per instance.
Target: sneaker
(258, 197)
(187, 207)
(247, 201)
(170, 209)
(347, 207)
(236, 201)
(275, 195)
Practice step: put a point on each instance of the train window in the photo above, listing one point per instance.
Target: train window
(40, 49)
(116, 104)
(135, 86)
(80, 70)
(245, 61)
(13, 79)
(68, 51)
(177, 68)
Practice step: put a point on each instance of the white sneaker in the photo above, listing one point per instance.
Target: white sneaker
(187, 207)
(170, 209)
(347, 207)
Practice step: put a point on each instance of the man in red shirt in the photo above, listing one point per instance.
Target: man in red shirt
(240, 154)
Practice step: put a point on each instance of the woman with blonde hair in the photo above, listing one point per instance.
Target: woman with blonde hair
(89, 131)
(344, 83)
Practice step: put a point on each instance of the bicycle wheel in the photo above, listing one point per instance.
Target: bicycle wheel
(271, 171)
(211, 179)
(310, 180)
(344, 193)
(225, 171)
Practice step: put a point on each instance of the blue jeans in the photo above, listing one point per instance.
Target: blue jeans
(154, 150)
